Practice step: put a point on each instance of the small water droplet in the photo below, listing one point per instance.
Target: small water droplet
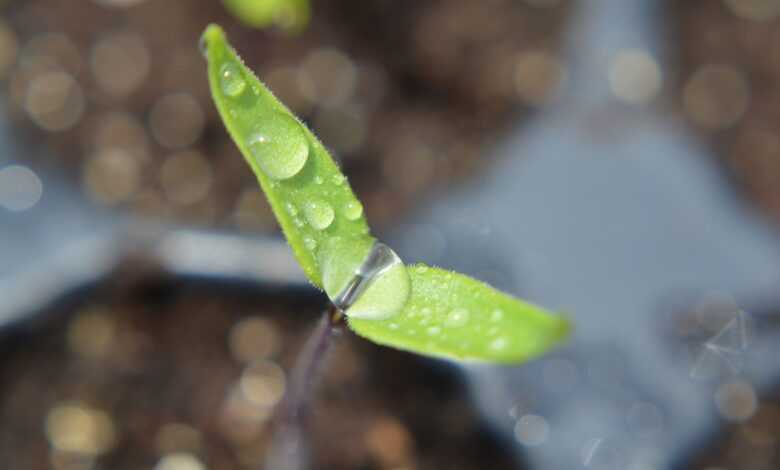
(319, 214)
(434, 330)
(393, 326)
(353, 210)
(298, 222)
(291, 209)
(310, 243)
(203, 47)
(499, 344)
(426, 311)
(231, 80)
(421, 269)
(496, 315)
(279, 146)
(318, 179)
(411, 332)
(338, 179)
(457, 318)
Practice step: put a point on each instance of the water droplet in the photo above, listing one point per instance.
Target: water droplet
(497, 315)
(353, 210)
(338, 179)
(318, 179)
(457, 318)
(421, 269)
(393, 326)
(434, 330)
(381, 287)
(291, 209)
(231, 80)
(279, 146)
(298, 222)
(310, 243)
(426, 311)
(319, 214)
(203, 47)
(499, 344)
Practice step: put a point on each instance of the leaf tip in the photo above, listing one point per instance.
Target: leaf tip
(211, 35)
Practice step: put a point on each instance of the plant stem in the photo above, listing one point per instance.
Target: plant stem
(287, 450)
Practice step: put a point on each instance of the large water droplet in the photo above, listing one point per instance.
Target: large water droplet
(279, 147)
(353, 210)
(457, 318)
(319, 214)
(231, 80)
(379, 289)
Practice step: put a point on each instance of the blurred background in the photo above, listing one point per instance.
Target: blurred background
(618, 160)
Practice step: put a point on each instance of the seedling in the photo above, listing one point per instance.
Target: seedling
(417, 308)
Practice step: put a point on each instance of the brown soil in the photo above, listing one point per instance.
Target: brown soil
(163, 361)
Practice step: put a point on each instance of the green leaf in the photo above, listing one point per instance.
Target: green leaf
(290, 15)
(425, 310)
(454, 316)
(310, 197)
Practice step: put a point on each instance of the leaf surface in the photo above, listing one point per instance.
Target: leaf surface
(308, 194)
(454, 316)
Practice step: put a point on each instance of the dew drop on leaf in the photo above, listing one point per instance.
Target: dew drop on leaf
(353, 210)
(230, 79)
(457, 318)
(497, 315)
(338, 179)
(279, 146)
(291, 209)
(499, 344)
(319, 214)
(203, 47)
(433, 330)
(310, 243)
(388, 289)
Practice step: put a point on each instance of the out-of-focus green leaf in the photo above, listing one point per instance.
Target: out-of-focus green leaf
(290, 15)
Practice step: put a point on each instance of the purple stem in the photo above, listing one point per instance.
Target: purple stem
(287, 450)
